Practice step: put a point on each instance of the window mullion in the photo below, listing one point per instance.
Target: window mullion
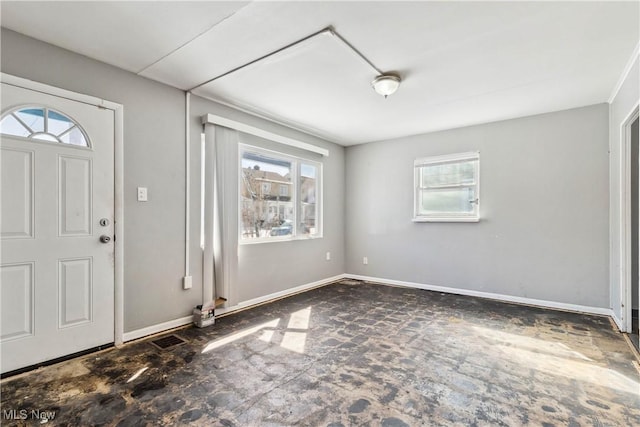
(26, 126)
(448, 186)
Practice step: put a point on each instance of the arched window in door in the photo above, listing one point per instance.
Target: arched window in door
(43, 124)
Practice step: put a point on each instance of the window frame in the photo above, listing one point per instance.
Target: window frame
(294, 194)
(419, 163)
(33, 136)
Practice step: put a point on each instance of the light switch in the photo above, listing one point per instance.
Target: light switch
(142, 194)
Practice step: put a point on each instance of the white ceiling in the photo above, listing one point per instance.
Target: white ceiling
(461, 63)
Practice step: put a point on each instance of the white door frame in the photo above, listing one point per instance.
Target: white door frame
(625, 216)
(118, 208)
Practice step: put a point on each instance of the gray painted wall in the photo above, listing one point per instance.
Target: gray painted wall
(623, 104)
(544, 208)
(267, 268)
(543, 234)
(154, 156)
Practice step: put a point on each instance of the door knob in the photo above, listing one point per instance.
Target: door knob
(105, 239)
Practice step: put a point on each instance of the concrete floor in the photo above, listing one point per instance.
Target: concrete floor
(353, 355)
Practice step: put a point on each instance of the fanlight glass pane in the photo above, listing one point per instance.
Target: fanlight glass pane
(459, 200)
(44, 137)
(11, 126)
(44, 125)
(74, 137)
(32, 117)
(58, 123)
(448, 174)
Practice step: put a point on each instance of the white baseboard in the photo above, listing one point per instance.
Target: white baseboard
(489, 295)
(161, 327)
(619, 323)
(154, 329)
(278, 295)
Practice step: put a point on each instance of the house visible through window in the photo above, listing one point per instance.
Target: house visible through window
(447, 188)
(278, 196)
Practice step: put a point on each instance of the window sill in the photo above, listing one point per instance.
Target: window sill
(278, 240)
(445, 219)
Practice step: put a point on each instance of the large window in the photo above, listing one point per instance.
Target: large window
(447, 188)
(279, 196)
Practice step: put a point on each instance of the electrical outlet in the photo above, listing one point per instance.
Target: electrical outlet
(142, 194)
(365, 261)
(328, 257)
(187, 282)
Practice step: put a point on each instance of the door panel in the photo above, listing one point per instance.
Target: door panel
(17, 300)
(74, 195)
(57, 285)
(17, 199)
(75, 285)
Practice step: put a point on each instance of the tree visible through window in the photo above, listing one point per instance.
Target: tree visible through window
(278, 196)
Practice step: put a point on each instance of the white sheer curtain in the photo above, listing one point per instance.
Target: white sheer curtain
(220, 213)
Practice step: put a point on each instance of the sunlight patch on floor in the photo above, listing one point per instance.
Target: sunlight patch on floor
(300, 319)
(294, 341)
(536, 345)
(294, 337)
(556, 359)
(266, 336)
(240, 334)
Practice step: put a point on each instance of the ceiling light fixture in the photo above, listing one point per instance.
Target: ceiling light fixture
(386, 84)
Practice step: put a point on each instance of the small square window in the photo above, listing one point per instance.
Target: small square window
(447, 188)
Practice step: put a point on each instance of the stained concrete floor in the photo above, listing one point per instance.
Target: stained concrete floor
(345, 355)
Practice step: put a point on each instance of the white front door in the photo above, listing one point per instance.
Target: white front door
(57, 200)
